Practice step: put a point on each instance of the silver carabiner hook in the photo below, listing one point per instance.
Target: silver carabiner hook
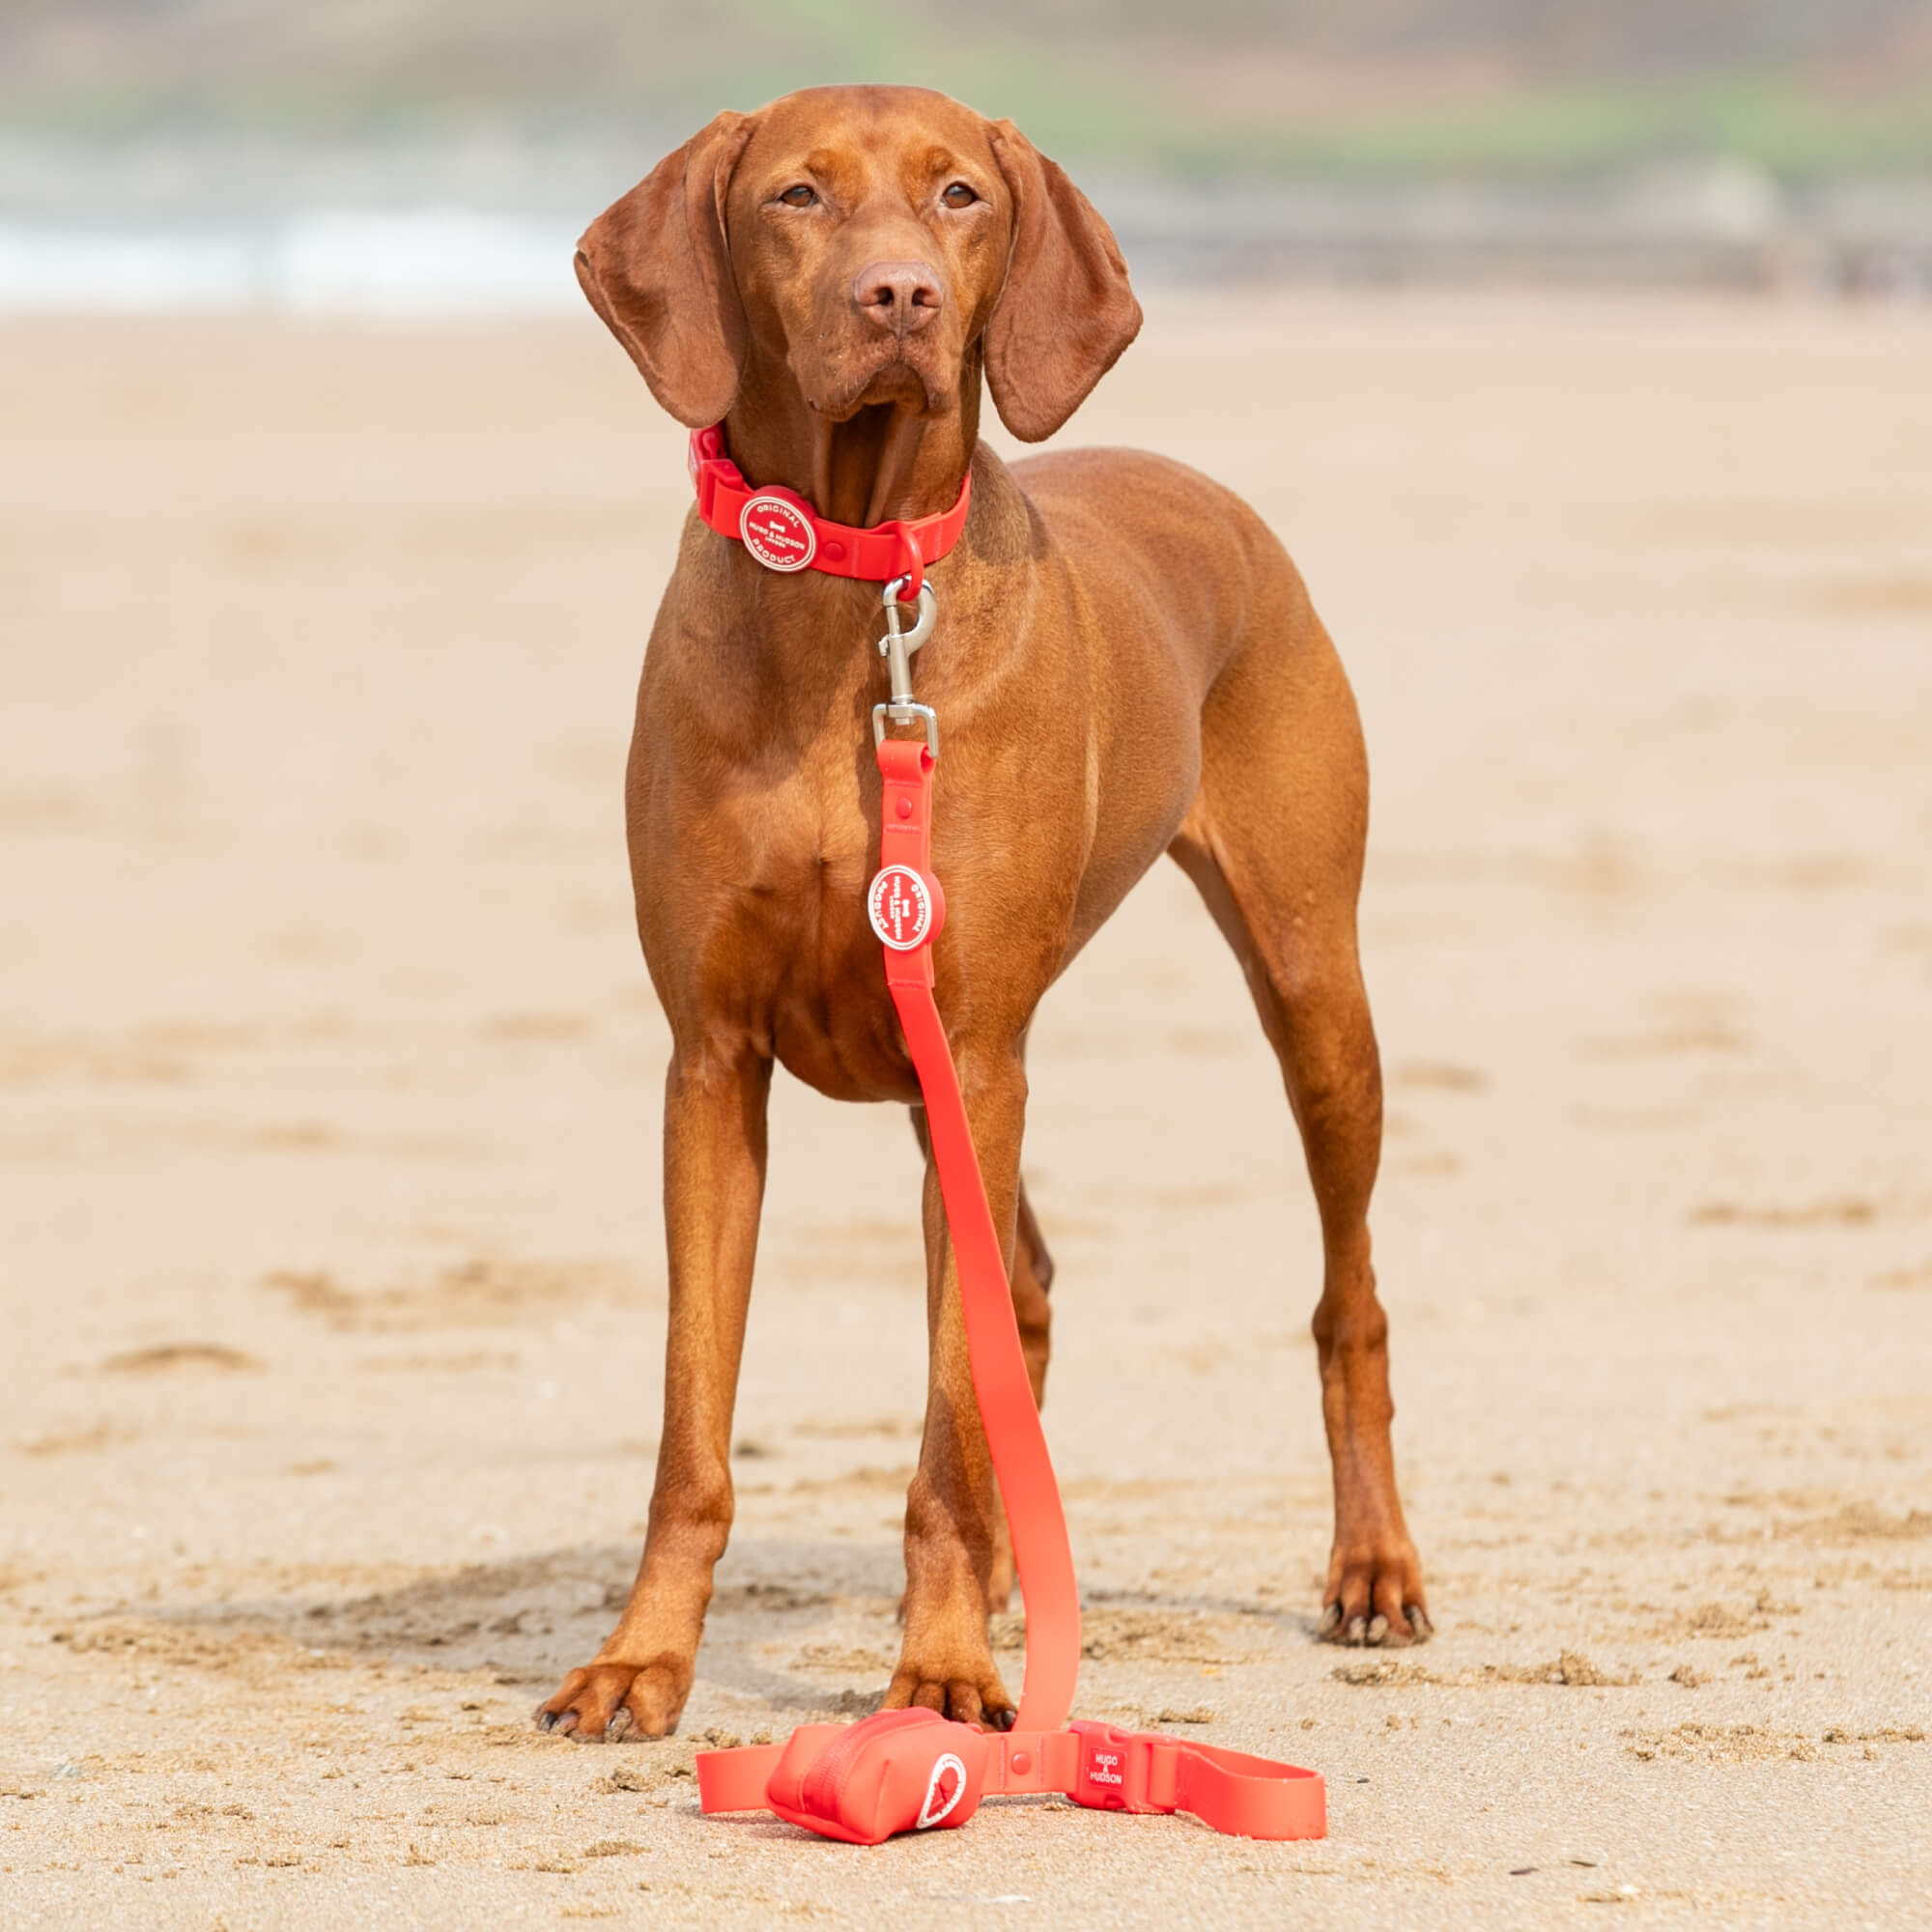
(897, 647)
(929, 614)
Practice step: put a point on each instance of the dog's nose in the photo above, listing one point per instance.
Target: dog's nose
(899, 295)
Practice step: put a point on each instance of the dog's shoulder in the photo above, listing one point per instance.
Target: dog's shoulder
(1111, 498)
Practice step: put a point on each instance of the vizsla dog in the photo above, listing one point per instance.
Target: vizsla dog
(1126, 662)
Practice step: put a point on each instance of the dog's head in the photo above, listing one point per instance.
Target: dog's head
(877, 244)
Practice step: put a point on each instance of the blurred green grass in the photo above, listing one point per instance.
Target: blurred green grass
(1431, 87)
(1776, 122)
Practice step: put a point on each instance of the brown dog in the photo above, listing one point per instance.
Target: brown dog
(1125, 664)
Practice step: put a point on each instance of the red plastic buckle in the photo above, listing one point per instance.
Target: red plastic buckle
(1115, 1769)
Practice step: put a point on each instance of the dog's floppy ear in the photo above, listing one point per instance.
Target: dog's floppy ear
(656, 268)
(1066, 311)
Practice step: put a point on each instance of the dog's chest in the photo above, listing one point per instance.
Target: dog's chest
(787, 944)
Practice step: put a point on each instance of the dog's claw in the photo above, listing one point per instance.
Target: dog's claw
(605, 1702)
(1420, 1629)
(1371, 1592)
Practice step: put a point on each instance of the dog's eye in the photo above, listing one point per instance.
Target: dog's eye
(799, 195)
(960, 195)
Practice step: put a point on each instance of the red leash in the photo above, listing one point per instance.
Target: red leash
(907, 911)
(901, 1770)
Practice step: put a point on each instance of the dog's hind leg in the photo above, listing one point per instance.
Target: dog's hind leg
(1274, 842)
(1032, 1276)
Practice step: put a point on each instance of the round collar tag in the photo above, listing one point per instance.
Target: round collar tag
(778, 533)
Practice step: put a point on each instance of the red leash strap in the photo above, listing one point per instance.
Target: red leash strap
(908, 1771)
(1142, 1770)
(911, 1770)
(1041, 1552)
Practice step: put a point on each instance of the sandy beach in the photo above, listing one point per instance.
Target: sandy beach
(330, 1260)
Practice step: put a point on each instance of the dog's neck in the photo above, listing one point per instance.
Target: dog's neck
(887, 460)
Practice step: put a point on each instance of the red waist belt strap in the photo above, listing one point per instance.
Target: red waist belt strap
(903, 1770)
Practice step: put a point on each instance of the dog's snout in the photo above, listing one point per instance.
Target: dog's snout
(899, 296)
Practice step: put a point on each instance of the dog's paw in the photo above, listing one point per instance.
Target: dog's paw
(1375, 1598)
(611, 1700)
(969, 1693)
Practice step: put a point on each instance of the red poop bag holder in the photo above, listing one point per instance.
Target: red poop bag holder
(914, 1771)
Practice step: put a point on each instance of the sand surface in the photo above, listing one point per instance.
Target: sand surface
(332, 1271)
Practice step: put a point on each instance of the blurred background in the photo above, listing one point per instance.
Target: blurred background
(238, 154)
(1583, 355)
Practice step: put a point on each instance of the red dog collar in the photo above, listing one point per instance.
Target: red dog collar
(785, 533)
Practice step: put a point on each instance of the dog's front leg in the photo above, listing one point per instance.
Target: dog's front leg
(714, 1186)
(945, 1662)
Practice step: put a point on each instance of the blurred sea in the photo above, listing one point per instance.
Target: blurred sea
(430, 262)
(490, 229)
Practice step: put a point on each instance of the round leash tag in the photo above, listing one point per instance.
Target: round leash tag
(899, 905)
